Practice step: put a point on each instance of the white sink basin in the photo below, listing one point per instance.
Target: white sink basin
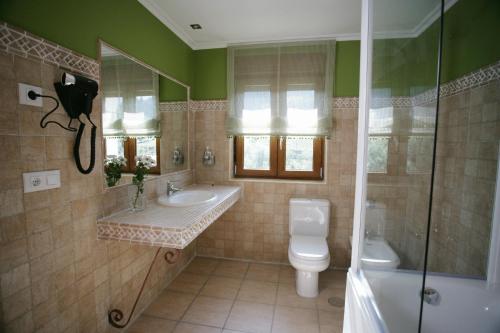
(187, 198)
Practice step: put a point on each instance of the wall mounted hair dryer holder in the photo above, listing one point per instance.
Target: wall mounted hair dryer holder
(76, 94)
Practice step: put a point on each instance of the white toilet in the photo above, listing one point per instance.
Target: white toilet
(308, 250)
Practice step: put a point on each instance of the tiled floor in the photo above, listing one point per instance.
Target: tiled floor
(223, 296)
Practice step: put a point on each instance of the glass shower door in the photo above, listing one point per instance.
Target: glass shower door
(399, 154)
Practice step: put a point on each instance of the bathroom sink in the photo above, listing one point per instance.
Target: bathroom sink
(187, 198)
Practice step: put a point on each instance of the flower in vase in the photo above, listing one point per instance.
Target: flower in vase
(113, 168)
(142, 166)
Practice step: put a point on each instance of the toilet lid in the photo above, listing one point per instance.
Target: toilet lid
(309, 247)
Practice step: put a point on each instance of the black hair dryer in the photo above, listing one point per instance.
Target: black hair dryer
(76, 94)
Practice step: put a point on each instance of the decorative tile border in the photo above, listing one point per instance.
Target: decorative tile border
(472, 80)
(208, 105)
(22, 43)
(173, 106)
(164, 236)
(396, 102)
(197, 228)
(345, 102)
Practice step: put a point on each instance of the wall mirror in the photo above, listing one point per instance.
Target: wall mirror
(144, 113)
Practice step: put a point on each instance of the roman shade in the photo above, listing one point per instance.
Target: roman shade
(130, 103)
(280, 89)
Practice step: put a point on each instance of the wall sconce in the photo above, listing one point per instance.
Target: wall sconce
(177, 156)
(208, 157)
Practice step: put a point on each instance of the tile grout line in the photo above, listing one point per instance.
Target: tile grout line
(245, 277)
(194, 299)
(275, 302)
(236, 296)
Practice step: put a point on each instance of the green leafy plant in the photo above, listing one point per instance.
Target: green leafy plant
(142, 166)
(113, 169)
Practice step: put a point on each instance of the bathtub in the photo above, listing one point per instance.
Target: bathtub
(465, 305)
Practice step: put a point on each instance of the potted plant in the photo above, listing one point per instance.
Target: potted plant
(142, 166)
(113, 169)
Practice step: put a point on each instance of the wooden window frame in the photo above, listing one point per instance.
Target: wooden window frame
(130, 149)
(277, 157)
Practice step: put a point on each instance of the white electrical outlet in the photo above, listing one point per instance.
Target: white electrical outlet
(41, 180)
(23, 95)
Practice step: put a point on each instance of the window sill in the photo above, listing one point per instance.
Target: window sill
(278, 180)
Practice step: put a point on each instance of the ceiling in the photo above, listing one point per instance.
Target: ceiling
(227, 22)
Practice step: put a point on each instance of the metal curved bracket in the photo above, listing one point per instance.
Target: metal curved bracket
(171, 256)
(115, 316)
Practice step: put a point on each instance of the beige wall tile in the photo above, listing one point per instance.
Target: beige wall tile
(50, 235)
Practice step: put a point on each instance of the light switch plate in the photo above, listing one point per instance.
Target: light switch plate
(41, 180)
(23, 95)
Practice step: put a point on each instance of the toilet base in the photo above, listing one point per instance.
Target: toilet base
(306, 283)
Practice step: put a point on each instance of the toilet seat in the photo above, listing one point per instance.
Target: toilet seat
(308, 253)
(309, 248)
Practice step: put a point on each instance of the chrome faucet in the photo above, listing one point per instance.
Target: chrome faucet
(171, 189)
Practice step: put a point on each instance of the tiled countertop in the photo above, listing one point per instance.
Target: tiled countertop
(173, 227)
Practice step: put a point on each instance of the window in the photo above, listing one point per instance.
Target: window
(379, 137)
(421, 140)
(131, 147)
(290, 157)
(378, 147)
(279, 108)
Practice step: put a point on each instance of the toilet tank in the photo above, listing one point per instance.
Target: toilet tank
(309, 217)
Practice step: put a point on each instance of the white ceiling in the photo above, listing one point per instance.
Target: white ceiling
(254, 21)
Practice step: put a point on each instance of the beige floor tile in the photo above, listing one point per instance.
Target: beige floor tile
(188, 282)
(230, 331)
(287, 274)
(229, 268)
(208, 311)
(325, 294)
(222, 287)
(147, 324)
(250, 317)
(258, 291)
(330, 322)
(191, 328)
(287, 295)
(332, 279)
(263, 272)
(201, 265)
(295, 320)
(170, 305)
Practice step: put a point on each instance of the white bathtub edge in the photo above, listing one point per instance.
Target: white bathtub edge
(361, 314)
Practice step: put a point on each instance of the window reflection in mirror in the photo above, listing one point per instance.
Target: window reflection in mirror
(143, 113)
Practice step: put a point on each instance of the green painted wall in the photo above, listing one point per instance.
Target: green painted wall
(471, 37)
(210, 67)
(171, 91)
(125, 24)
(409, 66)
(347, 68)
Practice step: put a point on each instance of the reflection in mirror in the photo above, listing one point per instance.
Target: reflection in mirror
(144, 114)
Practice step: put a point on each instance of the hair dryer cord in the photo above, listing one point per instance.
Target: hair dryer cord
(76, 148)
(43, 124)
